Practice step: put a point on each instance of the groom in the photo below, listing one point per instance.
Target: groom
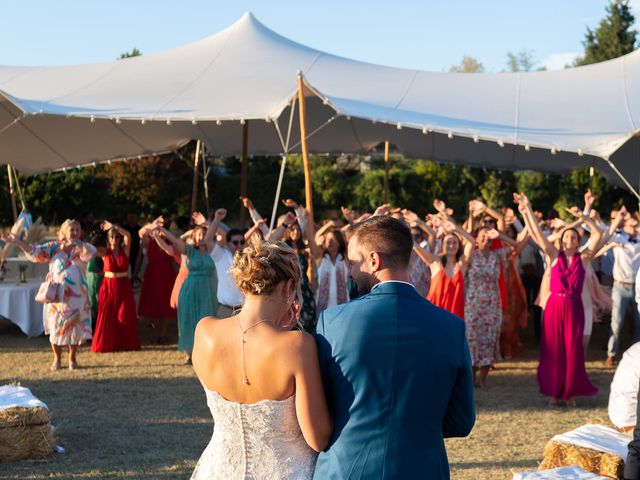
(396, 369)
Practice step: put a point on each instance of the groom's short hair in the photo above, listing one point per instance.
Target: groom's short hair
(389, 237)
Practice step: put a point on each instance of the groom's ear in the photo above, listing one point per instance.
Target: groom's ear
(375, 261)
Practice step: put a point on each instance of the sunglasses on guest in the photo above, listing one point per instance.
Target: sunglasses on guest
(238, 242)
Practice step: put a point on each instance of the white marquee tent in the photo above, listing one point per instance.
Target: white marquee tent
(60, 117)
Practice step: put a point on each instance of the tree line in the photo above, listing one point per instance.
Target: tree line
(163, 184)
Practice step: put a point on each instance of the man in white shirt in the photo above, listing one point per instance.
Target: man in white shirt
(623, 399)
(230, 299)
(623, 293)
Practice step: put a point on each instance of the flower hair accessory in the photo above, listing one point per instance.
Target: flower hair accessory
(264, 261)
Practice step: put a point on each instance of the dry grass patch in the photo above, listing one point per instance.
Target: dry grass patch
(143, 415)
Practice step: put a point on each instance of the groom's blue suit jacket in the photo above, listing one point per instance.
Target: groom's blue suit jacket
(398, 379)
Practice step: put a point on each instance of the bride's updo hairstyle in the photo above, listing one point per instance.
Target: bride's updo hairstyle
(261, 266)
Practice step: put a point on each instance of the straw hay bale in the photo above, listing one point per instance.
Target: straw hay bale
(25, 433)
(559, 454)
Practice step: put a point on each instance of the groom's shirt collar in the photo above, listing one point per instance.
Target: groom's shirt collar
(373, 289)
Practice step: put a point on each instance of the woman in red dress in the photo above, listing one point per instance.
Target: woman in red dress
(157, 283)
(117, 324)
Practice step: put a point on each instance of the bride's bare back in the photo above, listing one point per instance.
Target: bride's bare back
(253, 357)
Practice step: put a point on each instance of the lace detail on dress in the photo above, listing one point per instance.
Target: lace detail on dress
(255, 441)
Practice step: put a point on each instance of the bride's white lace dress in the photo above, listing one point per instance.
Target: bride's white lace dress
(255, 441)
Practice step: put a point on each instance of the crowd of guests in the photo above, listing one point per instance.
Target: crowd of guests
(496, 269)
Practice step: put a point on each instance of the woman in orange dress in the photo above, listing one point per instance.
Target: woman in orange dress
(449, 269)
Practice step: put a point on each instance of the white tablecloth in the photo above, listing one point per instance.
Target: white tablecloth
(18, 305)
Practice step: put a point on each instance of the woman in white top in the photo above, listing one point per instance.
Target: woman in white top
(333, 270)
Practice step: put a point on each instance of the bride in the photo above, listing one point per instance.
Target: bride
(262, 380)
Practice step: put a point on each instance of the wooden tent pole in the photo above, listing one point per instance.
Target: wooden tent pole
(308, 193)
(205, 176)
(244, 170)
(386, 171)
(194, 190)
(12, 193)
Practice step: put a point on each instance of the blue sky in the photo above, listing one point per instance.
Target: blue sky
(423, 34)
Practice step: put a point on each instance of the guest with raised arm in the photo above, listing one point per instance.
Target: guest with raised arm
(626, 262)
(482, 305)
(67, 319)
(333, 270)
(419, 270)
(230, 298)
(450, 267)
(117, 326)
(157, 282)
(561, 373)
(197, 298)
(290, 231)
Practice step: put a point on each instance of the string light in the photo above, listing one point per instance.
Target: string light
(218, 122)
(194, 122)
(527, 147)
(242, 121)
(449, 135)
(500, 143)
(399, 126)
(92, 119)
(118, 121)
(425, 131)
(168, 122)
(143, 121)
(475, 139)
(580, 152)
(553, 151)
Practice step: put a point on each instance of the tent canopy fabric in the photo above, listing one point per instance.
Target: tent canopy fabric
(57, 117)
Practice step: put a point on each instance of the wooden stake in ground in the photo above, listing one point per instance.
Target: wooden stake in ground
(386, 171)
(303, 143)
(194, 191)
(244, 170)
(12, 193)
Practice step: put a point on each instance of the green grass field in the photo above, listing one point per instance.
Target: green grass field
(143, 415)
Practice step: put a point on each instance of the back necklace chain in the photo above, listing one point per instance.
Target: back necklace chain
(245, 379)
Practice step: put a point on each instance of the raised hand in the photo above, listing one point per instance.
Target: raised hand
(575, 211)
(246, 203)
(382, 209)
(159, 222)
(289, 203)
(517, 198)
(198, 218)
(410, 217)
(220, 214)
(589, 198)
(290, 219)
(439, 205)
(106, 225)
(348, 214)
(557, 223)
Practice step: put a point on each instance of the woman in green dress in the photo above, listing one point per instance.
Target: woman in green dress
(197, 297)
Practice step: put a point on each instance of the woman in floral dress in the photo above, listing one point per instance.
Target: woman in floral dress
(482, 305)
(68, 321)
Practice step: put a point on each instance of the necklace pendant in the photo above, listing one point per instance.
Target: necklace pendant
(245, 381)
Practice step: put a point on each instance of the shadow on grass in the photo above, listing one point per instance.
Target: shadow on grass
(122, 428)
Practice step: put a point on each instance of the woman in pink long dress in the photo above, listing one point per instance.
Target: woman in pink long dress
(561, 371)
